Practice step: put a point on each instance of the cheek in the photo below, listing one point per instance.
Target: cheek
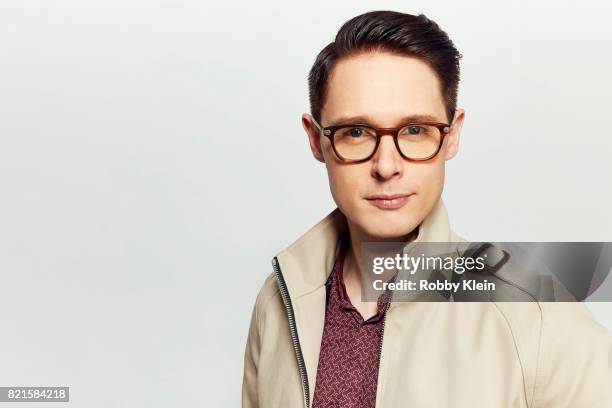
(344, 182)
(429, 177)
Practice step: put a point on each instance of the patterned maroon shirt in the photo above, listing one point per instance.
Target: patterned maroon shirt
(348, 361)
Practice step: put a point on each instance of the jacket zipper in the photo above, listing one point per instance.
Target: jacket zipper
(293, 329)
(382, 333)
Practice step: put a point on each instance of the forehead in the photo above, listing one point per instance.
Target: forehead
(382, 87)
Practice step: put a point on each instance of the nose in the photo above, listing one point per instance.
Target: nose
(386, 162)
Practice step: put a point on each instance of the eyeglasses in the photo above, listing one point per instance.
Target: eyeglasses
(354, 143)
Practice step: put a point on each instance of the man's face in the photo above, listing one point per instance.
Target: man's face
(381, 90)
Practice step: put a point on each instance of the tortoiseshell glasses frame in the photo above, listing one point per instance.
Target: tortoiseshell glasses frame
(421, 146)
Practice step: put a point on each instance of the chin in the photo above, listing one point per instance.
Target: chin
(389, 225)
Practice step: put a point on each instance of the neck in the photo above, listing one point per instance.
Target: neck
(352, 266)
(352, 273)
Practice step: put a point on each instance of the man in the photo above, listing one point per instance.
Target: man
(384, 121)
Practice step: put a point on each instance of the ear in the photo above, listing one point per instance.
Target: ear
(452, 139)
(314, 137)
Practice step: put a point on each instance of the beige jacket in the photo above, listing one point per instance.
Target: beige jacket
(446, 354)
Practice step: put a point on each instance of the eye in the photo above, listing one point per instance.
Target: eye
(417, 131)
(414, 130)
(355, 132)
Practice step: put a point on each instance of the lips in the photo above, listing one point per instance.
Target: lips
(389, 201)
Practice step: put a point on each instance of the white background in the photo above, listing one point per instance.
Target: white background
(152, 162)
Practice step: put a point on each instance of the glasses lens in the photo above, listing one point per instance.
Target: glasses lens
(419, 141)
(355, 142)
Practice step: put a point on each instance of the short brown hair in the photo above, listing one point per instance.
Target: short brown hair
(394, 32)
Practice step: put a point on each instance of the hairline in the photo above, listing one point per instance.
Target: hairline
(379, 49)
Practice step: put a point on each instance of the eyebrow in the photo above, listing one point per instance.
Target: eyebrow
(369, 121)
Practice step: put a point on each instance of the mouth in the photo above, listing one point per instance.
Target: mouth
(389, 202)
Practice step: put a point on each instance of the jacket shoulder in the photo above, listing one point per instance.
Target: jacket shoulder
(566, 355)
(553, 323)
(269, 290)
(575, 367)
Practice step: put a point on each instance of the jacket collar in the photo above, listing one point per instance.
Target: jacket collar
(307, 263)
